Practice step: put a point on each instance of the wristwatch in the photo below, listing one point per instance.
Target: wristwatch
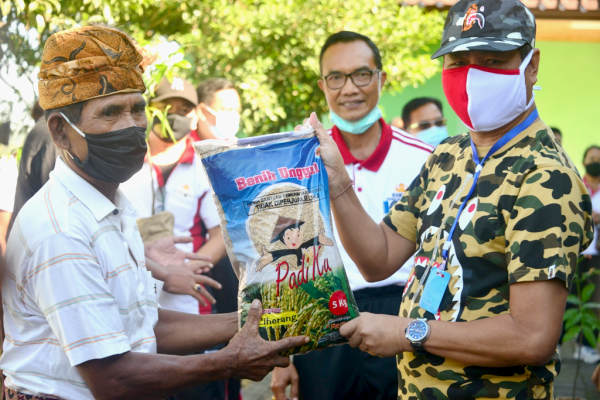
(417, 333)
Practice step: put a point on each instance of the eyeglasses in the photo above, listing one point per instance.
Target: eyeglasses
(421, 126)
(360, 77)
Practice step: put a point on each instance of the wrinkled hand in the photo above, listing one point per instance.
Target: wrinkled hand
(377, 334)
(164, 252)
(252, 357)
(281, 378)
(182, 280)
(330, 154)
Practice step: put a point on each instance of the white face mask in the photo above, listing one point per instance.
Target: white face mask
(487, 98)
(227, 123)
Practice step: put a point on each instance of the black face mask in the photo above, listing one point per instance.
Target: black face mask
(113, 156)
(179, 124)
(593, 169)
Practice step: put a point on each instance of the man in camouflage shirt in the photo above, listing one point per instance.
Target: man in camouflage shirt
(497, 216)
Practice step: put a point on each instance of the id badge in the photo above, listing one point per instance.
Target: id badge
(434, 290)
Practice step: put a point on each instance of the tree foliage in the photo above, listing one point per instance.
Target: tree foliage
(268, 48)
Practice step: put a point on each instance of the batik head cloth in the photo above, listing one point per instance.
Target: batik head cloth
(88, 62)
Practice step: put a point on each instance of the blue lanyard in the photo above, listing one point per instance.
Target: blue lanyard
(501, 142)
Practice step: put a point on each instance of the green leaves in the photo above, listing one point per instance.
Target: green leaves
(268, 48)
(582, 320)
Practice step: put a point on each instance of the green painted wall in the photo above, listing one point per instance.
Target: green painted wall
(570, 97)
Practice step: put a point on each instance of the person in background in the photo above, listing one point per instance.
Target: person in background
(82, 320)
(397, 123)
(591, 255)
(382, 162)
(423, 117)
(218, 116)
(37, 160)
(557, 134)
(9, 174)
(172, 180)
(218, 111)
(498, 217)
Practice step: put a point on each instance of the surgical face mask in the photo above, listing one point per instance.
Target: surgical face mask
(434, 135)
(180, 126)
(593, 169)
(112, 156)
(227, 123)
(356, 127)
(487, 98)
(362, 125)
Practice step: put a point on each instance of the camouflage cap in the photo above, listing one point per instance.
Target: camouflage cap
(487, 25)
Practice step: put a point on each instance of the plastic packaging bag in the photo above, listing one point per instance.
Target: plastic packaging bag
(273, 199)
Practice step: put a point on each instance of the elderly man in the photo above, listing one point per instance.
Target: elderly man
(498, 217)
(81, 316)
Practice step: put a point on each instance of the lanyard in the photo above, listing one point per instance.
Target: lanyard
(499, 144)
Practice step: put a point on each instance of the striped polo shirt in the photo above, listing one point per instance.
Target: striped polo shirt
(76, 288)
(378, 182)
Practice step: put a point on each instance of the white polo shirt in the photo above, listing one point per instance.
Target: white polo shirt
(76, 288)
(379, 182)
(186, 193)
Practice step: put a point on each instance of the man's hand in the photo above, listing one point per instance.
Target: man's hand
(251, 356)
(164, 252)
(376, 334)
(281, 378)
(339, 180)
(182, 280)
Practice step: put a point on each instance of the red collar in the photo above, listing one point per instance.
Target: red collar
(195, 136)
(187, 157)
(373, 163)
(188, 154)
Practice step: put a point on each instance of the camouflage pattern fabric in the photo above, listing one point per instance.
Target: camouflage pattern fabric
(489, 25)
(528, 220)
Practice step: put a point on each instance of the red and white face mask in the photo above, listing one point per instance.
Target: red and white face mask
(486, 98)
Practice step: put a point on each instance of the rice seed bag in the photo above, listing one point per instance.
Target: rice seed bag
(273, 200)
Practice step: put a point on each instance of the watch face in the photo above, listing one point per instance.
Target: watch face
(417, 330)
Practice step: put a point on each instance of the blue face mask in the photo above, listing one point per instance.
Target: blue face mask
(433, 135)
(356, 127)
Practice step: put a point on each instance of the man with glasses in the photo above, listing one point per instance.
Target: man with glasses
(381, 161)
(423, 118)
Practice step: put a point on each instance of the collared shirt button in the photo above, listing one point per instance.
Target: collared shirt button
(115, 212)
